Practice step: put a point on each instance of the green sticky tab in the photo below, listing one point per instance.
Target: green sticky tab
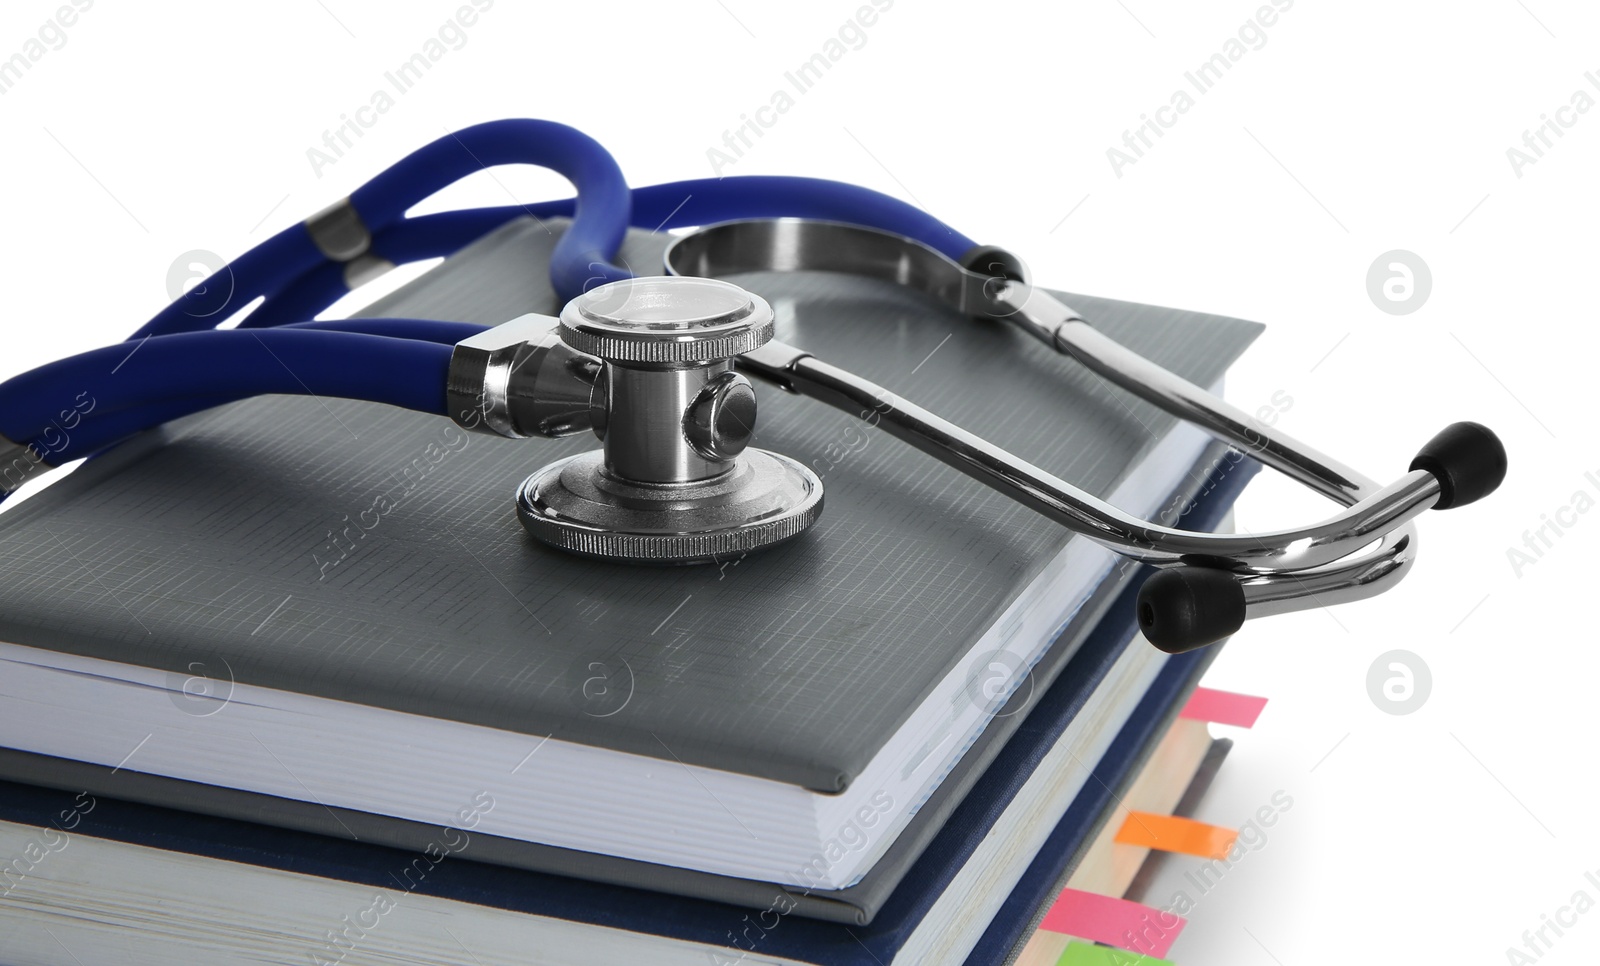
(1079, 953)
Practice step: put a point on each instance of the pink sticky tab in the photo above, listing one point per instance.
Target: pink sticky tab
(1223, 707)
(1115, 922)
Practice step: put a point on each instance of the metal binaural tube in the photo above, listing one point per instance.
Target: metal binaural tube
(1331, 540)
(1334, 582)
(1043, 316)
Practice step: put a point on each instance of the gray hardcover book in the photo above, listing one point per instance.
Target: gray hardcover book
(350, 552)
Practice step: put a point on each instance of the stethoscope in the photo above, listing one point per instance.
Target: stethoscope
(657, 367)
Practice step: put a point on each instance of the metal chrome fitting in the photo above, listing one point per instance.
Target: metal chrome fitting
(519, 380)
(341, 235)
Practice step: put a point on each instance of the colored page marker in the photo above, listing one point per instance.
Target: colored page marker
(1170, 833)
(1088, 954)
(1223, 707)
(1116, 922)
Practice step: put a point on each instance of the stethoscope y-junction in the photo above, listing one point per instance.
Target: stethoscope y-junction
(657, 367)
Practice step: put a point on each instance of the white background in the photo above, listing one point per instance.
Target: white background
(1358, 128)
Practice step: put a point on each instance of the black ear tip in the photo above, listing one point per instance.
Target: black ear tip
(1468, 460)
(1182, 608)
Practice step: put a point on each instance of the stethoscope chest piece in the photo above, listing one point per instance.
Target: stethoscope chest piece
(676, 481)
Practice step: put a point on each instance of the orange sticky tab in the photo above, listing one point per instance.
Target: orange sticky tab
(1223, 707)
(1169, 833)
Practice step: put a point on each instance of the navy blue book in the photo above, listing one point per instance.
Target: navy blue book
(154, 869)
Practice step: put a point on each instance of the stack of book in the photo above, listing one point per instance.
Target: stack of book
(285, 682)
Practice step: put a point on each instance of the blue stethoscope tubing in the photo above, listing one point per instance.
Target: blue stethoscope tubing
(188, 365)
(599, 215)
